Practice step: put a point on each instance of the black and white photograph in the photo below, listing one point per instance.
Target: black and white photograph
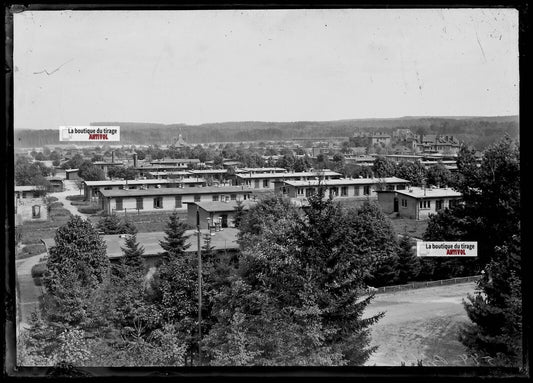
(266, 187)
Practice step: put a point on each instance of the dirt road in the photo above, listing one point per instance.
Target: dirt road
(70, 189)
(28, 293)
(419, 324)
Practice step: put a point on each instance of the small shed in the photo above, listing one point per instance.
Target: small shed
(72, 174)
(215, 213)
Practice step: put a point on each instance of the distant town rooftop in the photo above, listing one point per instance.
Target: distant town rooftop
(126, 182)
(209, 171)
(244, 170)
(176, 160)
(160, 166)
(108, 163)
(319, 173)
(176, 173)
(347, 181)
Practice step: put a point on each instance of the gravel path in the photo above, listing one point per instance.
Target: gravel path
(70, 190)
(419, 325)
(28, 293)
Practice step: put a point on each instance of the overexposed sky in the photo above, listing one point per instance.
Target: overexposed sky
(263, 65)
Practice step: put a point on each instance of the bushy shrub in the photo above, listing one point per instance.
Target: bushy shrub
(33, 249)
(89, 209)
(79, 203)
(38, 270)
(59, 213)
(75, 197)
(56, 205)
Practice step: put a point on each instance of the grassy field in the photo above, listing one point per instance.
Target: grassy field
(29, 293)
(410, 226)
(33, 232)
(29, 250)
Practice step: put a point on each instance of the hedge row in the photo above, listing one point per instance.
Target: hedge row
(34, 249)
(89, 209)
(56, 205)
(38, 270)
(75, 197)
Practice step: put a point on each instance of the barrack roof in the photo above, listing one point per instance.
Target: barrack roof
(288, 175)
(175, 191)
(219, 206)
(418, 192)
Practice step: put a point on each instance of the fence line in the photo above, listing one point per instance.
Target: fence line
(417, 285)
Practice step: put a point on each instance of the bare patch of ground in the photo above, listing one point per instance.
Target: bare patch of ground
(419, 325)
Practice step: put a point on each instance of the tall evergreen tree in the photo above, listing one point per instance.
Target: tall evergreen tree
(295, 297)
(496, 309)
(77, 265)
(239, 213)
(383, 167)
(110, 224)
(133, 254)
(490, 215)
(175, 242)
(415, 172)
(439, 175)
(175, 284)
(408, 262)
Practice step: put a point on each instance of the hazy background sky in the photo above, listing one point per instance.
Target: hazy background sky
(276, 65)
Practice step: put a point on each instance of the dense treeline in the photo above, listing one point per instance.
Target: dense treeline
(294, 295)
(466, 129)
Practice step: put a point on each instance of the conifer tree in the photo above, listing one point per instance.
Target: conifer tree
(295, 296)
(175, 283)
(496, 309)
(110, 224)
(133, 254)
(408, 262)
(239, 213)
(490, 215)
(77, 265)
(175, 242)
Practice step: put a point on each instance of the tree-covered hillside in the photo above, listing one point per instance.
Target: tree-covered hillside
(477, 131)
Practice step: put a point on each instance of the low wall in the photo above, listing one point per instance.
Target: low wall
(418, 285)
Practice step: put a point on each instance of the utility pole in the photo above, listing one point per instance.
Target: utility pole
(199, 287)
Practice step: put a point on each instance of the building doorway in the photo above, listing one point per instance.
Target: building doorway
(396, 205)
(224, 222)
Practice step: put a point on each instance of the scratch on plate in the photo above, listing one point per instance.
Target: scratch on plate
(55, 70)
(481, 47)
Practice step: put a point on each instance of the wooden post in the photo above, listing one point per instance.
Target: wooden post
(199, 288)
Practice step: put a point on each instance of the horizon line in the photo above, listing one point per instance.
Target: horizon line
(289, 122)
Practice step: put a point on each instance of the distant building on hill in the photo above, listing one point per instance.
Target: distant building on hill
(435, 143)
(180, 142)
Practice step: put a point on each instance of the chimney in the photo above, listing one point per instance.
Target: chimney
(112, 156)
(134, 160)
